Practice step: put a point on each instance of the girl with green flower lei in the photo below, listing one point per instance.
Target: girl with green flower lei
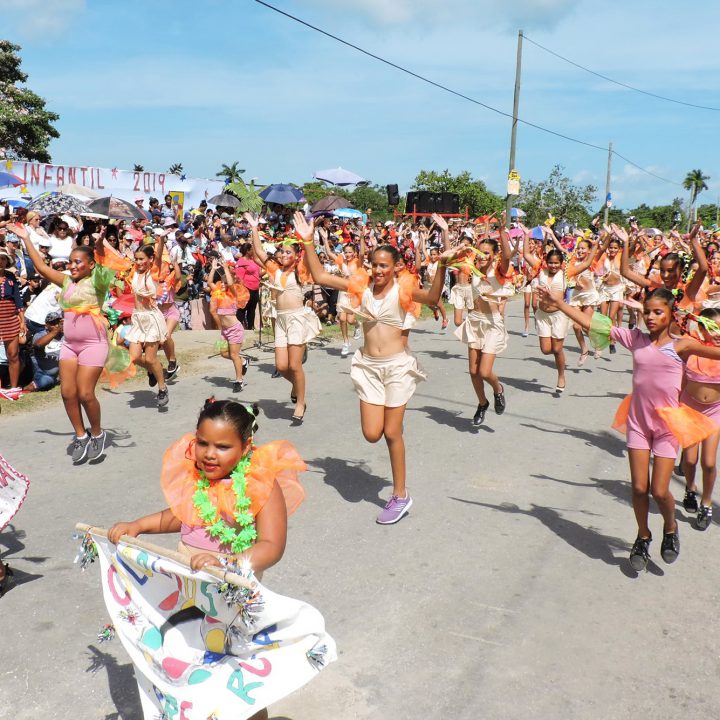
(228, 499)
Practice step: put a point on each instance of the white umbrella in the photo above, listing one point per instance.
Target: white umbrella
(79, 191)
(338, 176)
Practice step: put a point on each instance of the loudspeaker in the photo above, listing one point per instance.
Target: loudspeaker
(426, 202)
(393, 195)
(449, 203)
(412, 199)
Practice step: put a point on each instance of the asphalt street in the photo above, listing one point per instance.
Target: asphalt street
(505, 593)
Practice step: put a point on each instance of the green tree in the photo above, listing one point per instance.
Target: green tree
(473, 193)
(175, 169)
(316, 190)
(26, 127)
(694, 182)
(559, 197)
(232, 173)
(250, 200)
(138, 168)
(708, 213)
(373, 198)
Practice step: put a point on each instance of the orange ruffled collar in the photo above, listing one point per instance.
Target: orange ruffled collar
(277, 460)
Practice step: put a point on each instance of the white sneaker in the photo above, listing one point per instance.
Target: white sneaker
(345, 350)
(356, 334)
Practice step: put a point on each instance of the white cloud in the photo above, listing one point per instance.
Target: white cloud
(42, 19)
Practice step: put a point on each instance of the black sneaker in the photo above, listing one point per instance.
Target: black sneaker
(670, 548)
(171, 370)
(479, 416)
(499, 402)
(246, 365)
(704, 517)
(690, 502)
(276, 373)
(640, 553)
(163, 399)
(152, 380)
(238, 385)
(613, 349)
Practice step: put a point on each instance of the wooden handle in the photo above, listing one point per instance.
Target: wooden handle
(173, 555)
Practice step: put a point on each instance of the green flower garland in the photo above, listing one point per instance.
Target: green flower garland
(217, 528)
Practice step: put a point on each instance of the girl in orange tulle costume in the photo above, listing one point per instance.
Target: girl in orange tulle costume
(228, 499)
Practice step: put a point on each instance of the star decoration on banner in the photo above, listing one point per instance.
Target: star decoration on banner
(114, 172)
(227, 181)
(24, 190)
(8, 164)
(183, 178)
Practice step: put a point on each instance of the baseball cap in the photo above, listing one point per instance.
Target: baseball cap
(53, 316)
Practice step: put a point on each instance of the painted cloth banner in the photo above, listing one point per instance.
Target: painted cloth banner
(203, 649)
(125, 184)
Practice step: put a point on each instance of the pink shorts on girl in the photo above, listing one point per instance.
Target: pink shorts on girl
(170, 312)
(711, 410)
(84, 340)
(235, 334)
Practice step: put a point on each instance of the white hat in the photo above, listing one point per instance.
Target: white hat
(389, 223)
(169, 221)
(45, 242)
(159, 232)
(262, 221)
(188, 235)
(139, 198)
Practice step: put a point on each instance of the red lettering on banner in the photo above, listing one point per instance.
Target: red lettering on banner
(146, 182)
(136, 186)
(185, 705)
(99, 185)
(83, 170)
(47, 175)
(161, 182)
(35, 174)
(60, 175)
(72, 175)
(263, 671)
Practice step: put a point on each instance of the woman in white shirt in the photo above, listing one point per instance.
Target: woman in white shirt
(61, 239)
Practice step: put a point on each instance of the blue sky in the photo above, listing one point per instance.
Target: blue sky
(202, 83)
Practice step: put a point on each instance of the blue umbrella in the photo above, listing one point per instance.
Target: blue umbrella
(349, 213)
(282, 194)
(9, 180)
(517, 213)
(17, 203)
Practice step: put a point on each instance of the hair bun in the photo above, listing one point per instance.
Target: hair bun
(208, 402)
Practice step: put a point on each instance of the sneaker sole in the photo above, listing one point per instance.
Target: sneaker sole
(669, 556)
(398, 518)
(83, 456)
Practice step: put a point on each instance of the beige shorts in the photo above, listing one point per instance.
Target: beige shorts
(483, 332)
(388, 381)
(589, 298)
(461, 297)
(612, 293)
(343, 303)
(296, 327)
(553, 325)
(147, 326)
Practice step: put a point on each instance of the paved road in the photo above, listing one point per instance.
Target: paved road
(506, 592)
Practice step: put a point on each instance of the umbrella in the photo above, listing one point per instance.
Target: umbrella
(116, 209)
(349, 213)
(55, 204)
(9, 180)
(225, 200)
(79, 191)
(282, 194)
(517, 212)
(330, 203)
(17, 203)
(338, 176)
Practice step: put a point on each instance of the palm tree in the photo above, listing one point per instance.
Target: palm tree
(175, 169)
(694, 182)
(231, 172)
(138, 168)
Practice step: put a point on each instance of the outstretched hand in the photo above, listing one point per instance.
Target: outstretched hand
(305, 229)
(19, 230)
(252, 220)
(620, 233)
(440, 221)
(549, 297)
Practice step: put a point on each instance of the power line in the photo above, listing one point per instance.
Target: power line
(617, 82)
(454, 92)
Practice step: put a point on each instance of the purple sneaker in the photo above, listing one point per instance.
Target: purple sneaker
(396, 507)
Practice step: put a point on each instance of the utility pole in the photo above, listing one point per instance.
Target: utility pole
(607, 181)
(513, 135)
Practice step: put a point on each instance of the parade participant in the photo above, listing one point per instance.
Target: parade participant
(169, 278)
(550, 324)
(13, 489)
(85, 343)
(584, 295)
(430, 270)
(611, 286)
(149, 329)
(701, 392)
(296, 324)
(383, 372)
(484, 328)
(227, 498)
(348, 263)
(655, 421)
(227, 295)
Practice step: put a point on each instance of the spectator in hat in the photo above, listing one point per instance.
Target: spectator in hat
(45, 355)
(17, 264)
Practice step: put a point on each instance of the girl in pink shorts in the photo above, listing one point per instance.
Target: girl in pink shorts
(227, 294)
(656, 422)
(85, 342)
(383, 372)
(168, 281)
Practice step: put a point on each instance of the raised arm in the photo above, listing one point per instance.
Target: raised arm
(229, 277)
(432, 295)
(578, 268)
(159, 245)
(625, 271)
(532, 260)
(312, 262)
(441, 222)
(54, 276)
(699, 254)
(260, 255)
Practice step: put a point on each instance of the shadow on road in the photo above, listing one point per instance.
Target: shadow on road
(617, 489)
(457, 421)
(441, 354)
(121, 683)
(11, 540)
(526, 385)
(587, 540)
(603, 440)
(351, 480)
